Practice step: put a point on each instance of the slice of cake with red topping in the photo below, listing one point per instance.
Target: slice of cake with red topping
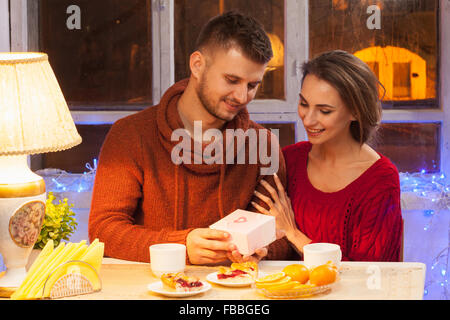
(180, 282)
(238, 272)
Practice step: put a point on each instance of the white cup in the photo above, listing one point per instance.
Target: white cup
(316, 254)
(167, 258)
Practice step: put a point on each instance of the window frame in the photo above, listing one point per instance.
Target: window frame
(444, 84)
(23, 31)
(4, 26)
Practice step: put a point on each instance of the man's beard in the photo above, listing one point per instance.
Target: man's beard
(211, 107)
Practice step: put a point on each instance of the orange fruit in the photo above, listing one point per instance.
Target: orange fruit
(271, 277)
(303, 286)
(297, 272)
(273, 284)
(283, 286)
(323, 274)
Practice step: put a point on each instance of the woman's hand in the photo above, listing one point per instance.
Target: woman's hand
(279, 206)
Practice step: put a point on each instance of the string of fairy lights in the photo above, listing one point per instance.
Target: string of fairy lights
(57, 180)
(430, 193)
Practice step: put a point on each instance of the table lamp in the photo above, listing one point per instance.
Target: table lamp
(34, 118)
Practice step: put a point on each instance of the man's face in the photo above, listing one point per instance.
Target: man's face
(228, 83)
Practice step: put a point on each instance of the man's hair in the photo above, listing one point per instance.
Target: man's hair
(234, 30)
(357, 85)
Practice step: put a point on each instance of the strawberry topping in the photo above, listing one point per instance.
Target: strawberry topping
(190, 284)
(234, 273)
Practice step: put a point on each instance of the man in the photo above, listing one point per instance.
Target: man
(144, 195)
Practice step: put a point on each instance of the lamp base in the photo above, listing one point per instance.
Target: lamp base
(13, 278)
(7, 292)
(22, 211)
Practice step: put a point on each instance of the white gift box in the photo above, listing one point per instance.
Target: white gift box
(249, 230)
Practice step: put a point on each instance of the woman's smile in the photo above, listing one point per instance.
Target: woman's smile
(314, 132)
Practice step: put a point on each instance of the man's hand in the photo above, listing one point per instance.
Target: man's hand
(259, 254)
(235, 256)
(208, 246)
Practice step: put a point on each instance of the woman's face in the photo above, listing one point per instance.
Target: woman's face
(325, 116)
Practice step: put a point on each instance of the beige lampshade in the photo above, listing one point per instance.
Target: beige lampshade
(34, 116)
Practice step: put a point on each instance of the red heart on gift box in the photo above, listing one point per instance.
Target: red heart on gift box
(240, 220)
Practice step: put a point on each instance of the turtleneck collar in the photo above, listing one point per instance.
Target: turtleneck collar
(168, 120)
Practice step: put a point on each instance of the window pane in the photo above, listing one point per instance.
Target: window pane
(286, 132)
(402, 82)
(191, 15)
(412, 147)
(74, 160)
(397, 38)
(101, 51)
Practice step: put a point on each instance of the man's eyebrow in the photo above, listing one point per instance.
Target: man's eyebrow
(233, 76)
(318, 105)
(230, 75)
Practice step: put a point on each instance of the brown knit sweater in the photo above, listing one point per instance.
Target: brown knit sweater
(141, 197)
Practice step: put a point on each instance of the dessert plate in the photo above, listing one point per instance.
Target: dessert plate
(158, 287)
(212, 277)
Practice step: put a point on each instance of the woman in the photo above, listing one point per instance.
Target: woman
(339, 190)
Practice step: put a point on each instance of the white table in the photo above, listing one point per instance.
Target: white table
(357, 281)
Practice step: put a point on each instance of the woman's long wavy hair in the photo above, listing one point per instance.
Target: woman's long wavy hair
(357, 85)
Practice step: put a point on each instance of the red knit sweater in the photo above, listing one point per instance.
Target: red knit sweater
(141, 197)
(364, 218)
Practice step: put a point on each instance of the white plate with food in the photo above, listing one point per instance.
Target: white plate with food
(230, 282)
(158, 287)
(237, 275)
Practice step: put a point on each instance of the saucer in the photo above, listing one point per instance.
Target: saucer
(158, 287)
